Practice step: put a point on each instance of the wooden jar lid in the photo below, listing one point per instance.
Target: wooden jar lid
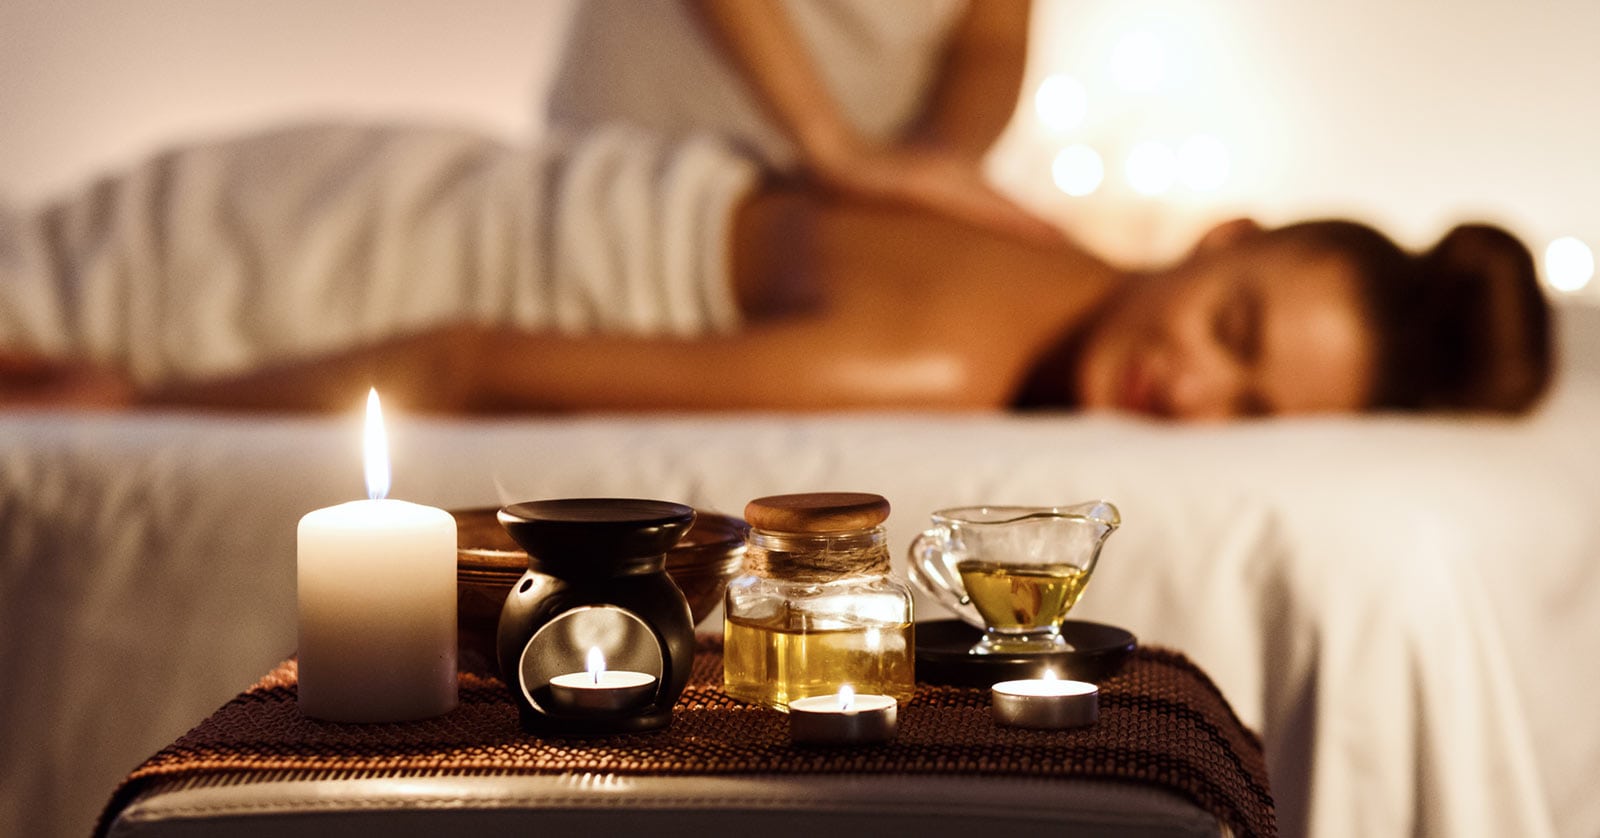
(817, 512)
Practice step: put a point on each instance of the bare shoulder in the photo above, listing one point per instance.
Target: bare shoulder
(928, 266)
(981, 306)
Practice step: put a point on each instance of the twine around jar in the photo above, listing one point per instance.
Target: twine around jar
(816, 558)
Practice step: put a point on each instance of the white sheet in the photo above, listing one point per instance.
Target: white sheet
(1408, 609)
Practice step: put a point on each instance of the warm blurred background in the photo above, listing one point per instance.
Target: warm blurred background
(1144, 119)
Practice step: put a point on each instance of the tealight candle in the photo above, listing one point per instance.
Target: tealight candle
(1046, 703)
(601, 690)
(377, 601)
(843, 719)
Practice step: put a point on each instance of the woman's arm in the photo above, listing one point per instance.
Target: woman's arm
(802, 364)
(36, 381)
(773, 368)
(433, 371)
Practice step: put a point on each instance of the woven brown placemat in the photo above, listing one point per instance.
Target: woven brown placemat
(1162, 722)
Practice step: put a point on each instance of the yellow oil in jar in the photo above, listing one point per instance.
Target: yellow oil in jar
(773, 665)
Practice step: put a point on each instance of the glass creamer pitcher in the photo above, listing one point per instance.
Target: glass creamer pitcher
(1012, 571)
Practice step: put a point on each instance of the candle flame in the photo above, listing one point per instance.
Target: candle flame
(1048, 675)
(596, 664)
(847, 698)
(376, 449)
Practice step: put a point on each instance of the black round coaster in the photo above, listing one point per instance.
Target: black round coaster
(944, 656)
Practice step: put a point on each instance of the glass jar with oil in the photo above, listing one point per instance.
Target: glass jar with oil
(816, 607)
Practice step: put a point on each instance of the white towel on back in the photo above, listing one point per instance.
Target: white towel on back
(219, 257)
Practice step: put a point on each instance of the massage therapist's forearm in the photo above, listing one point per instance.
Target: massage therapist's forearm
(982, 76)
(763, 44)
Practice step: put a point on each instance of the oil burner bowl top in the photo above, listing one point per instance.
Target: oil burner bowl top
(489, 563)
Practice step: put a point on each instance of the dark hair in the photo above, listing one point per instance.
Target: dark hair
(1463, 326)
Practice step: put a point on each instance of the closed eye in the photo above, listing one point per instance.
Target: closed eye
(1237, 324)
(1252, 404)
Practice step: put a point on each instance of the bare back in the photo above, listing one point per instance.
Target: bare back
(915, 289)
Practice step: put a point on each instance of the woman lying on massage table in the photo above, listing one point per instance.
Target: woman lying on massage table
(854, 289)
(848, 305)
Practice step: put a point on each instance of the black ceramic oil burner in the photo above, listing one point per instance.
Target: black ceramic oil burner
(596, 592)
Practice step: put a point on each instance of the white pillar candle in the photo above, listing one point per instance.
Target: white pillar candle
(377, 594)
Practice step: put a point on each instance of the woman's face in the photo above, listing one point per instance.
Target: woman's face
(1253, 325)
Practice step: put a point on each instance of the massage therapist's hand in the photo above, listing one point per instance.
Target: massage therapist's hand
(30, 381)
(931, 179)
(763, 44)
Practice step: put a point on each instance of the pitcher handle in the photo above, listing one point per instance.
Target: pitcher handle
(934, 576)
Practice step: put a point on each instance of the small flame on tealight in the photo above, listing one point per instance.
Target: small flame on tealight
(847, 698)
(596, 664)
(1048, 675)
(376, 449)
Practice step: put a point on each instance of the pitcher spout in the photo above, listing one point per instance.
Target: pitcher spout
(1102, 513)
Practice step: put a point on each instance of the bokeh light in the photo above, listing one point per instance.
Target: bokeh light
(1568, 264)
(1139, 62)
(1152, 168)
(1204, 162)
(1062, 103)
(1077, 170)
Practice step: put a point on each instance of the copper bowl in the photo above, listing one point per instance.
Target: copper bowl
(489, 563)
